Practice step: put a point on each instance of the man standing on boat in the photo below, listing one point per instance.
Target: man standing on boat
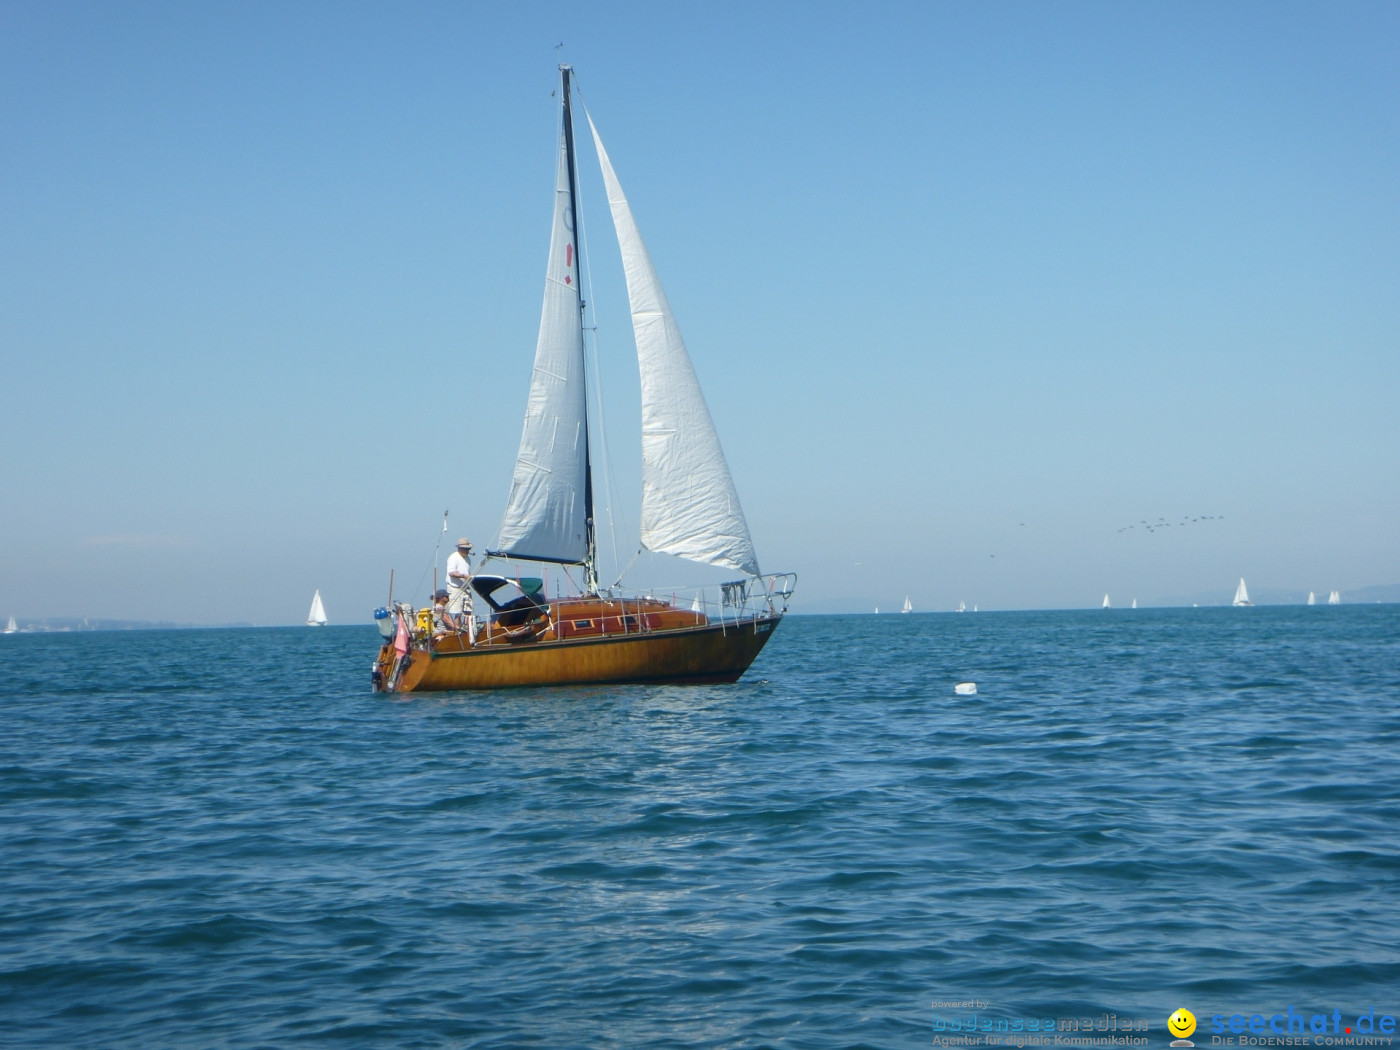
(459, 600)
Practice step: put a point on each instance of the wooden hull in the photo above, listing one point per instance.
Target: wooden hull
(697, 654)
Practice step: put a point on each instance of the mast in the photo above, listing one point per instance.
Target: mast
(590, 565)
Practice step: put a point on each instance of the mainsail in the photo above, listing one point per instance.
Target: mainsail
(1241, 594)
(690, 507)
(317, 616)
(547, 517)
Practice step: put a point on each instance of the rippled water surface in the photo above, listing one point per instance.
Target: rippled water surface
(222, 838)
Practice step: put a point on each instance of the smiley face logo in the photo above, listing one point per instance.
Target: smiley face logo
(1182, 1023)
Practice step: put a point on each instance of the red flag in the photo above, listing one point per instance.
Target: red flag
(401, 638)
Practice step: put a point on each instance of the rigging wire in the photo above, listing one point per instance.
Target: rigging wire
(609, 480)
(437, 549)
(626, 568)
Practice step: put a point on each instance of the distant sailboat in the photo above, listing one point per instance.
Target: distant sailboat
(1134, 603)
(908, 608)
(1106, 603)
(877, 610)
(1312, 598)
(317, 616)
(1241, 594)
(962, 606)
(1335, 598)
(11, 627)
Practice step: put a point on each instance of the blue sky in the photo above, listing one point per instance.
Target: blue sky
(970, 288)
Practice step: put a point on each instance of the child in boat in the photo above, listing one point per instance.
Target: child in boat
(441, 624)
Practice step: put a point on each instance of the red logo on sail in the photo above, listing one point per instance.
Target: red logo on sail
(569, 262)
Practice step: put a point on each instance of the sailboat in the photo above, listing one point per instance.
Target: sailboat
(908, 606)
(1241, 594)
(1134, 603)
(11, 627)
(1312, 598)
(690, 507)
(1106, 603)
(1335, 598)
(962, 606)
(317, 616)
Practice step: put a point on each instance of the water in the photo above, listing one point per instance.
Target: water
(222, 838)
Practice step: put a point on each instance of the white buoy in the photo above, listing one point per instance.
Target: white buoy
(966, 688)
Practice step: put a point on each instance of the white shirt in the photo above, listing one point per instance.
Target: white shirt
(457, 563)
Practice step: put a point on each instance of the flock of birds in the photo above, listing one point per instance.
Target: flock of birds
(1163, 523)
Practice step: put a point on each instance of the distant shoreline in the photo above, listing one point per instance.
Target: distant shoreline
(67, 625)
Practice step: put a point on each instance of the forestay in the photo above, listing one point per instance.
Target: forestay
(690, 507)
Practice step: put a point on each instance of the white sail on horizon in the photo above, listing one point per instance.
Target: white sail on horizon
(546, 517)
(908, 606)
(11, 627)
(1335, 598)
(1242, 594)
(317, 616)
(690, 507)
(1312, 598)
(1106, 603)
